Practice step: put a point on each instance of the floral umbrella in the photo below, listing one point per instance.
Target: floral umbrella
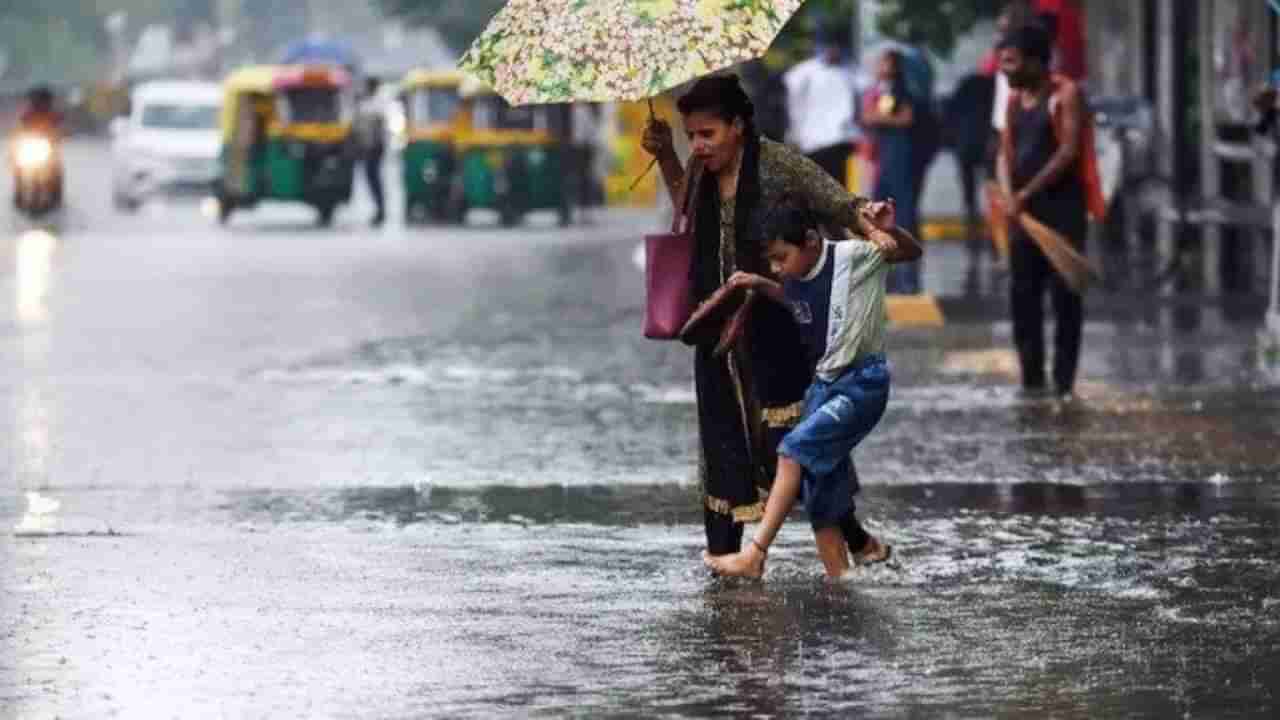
(554, 51)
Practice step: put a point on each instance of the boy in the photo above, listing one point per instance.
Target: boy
(837, 292)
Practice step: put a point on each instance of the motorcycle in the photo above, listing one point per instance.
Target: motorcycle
(37, 173)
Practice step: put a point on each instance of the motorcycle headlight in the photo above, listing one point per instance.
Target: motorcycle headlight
(34, 152)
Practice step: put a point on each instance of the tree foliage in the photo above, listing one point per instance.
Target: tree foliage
(936, 25)
(64, 41)
(458, 21)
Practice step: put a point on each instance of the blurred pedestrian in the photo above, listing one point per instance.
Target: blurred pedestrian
(821, 100)
(1039, 168)
(371, 137)
(890, 117)
(749, 398)
(587, 135)
(966, 119)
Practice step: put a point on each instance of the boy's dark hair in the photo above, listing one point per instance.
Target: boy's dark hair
(720, 95)
(1032, 40)
(789, 221)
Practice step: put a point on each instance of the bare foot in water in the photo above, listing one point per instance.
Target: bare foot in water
(749, 563)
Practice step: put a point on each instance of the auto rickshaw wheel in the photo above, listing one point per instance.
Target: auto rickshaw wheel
(509, 214)
(325, 214)
(225, 208)
(415, 212)
(565, 212)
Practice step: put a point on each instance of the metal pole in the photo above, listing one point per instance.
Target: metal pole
(1168, 73)
(1273, 314)
(1210, 165)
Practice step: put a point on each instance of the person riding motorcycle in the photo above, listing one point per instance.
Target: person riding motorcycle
(39, 114)
(40, 117)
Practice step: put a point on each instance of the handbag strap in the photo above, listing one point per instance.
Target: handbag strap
(686, 208)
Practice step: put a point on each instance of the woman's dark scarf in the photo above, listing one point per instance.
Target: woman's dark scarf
(779, 367)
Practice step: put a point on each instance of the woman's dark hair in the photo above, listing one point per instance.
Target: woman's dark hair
(895, 56)
(722, 96)
(789, 221)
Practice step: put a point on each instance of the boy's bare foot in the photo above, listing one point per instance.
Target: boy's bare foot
(748, 563)
(873, 552)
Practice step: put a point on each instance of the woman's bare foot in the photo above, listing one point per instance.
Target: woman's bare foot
(748, 563)
(873, 552)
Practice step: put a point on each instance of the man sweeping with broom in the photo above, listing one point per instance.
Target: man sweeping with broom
(1048, 177)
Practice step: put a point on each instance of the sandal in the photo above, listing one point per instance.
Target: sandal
(878, 553)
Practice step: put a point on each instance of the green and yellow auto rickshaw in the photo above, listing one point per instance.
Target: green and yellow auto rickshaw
(435, 116)
(287, 136)
(509, 160)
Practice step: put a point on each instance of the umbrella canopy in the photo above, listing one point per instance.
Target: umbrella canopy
(315, 50)
(553, 51)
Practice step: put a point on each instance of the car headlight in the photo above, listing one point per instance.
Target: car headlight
(34, 152)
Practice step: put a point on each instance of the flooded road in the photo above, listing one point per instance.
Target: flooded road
(274, 471)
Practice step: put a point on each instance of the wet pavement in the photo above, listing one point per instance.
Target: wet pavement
(271, 471)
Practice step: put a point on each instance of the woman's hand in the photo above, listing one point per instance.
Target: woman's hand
(657, 140)
(878, 215)
(747, 281)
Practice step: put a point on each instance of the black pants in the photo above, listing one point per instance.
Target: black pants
(1032, 275)
(835, 160)
(373, 174)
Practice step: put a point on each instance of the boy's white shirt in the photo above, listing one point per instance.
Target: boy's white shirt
(857, 318)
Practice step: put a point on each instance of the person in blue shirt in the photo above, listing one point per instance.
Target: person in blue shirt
(836, 292)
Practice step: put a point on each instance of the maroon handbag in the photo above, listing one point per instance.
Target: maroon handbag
(668, 267)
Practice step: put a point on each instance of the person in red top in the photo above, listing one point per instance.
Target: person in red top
(1068, 30)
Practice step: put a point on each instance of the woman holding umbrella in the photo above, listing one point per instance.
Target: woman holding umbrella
(749, 397)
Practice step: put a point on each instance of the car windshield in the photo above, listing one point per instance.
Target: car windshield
(180, 117)
(433, 105)
(313, 105)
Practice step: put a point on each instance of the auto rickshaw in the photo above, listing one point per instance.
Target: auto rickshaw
(287, 135)
(509, 160)
(435, 116)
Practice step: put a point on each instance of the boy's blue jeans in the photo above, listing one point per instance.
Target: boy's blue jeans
(837, 416)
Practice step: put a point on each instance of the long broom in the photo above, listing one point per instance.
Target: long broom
(1076, 270)
(997, 221)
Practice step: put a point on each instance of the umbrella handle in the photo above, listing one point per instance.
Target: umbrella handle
(653, 116)
(643, 175)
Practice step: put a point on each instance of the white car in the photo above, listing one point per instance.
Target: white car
(169, 143)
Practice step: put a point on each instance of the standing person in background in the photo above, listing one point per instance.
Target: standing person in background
(967, 114)
(1039, 168)
(586, 132)
(889, 116)
(371, 136)
(820, 108)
